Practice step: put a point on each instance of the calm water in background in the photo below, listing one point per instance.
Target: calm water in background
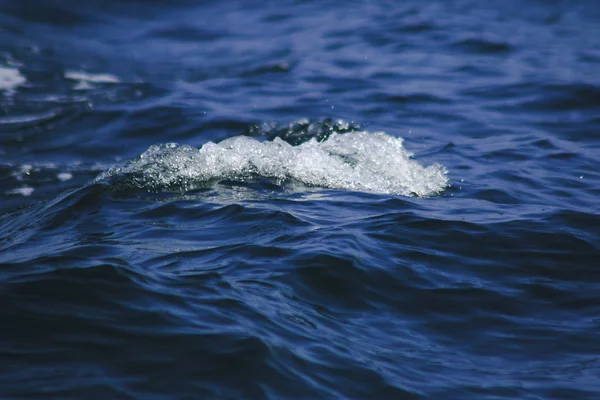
(286, 278)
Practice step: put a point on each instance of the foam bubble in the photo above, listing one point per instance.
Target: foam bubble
(358, 161)
(10, 78)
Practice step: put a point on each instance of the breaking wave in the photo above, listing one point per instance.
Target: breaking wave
(356, 160)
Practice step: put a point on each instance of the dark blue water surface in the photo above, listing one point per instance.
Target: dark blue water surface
(287, 247)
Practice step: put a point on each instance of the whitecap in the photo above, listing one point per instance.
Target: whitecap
(10, 78)
(356, 161)
(23, 191)
(64, 176)
(87, 77)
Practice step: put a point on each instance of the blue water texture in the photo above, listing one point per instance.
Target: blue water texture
(299, 199)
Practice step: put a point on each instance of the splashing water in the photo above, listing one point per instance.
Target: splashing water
(358, 161)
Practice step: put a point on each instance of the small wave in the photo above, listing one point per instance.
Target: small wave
(484, 46)
(29, 118)
(357, 161)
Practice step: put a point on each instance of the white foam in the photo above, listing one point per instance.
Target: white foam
(90, 78)
(10, 78)
(23, 191)
(83, 85)
(64, 176)
(358, 161)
